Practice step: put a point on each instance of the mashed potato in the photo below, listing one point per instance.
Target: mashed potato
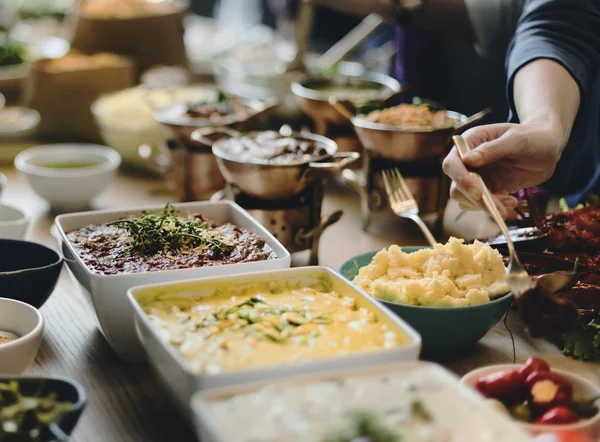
(449, 275)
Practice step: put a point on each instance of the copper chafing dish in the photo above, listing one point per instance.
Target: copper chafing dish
(180, 126)
(314, 100)
(398, 143)
(281, 180)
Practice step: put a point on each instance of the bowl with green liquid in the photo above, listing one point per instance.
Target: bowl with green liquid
(70, 175)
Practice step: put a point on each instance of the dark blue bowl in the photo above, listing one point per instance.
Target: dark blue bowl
(65, 390)
(28, 271)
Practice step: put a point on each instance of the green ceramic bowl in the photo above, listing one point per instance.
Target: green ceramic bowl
(444, 330)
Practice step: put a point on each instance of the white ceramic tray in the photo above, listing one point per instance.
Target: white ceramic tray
(182, 382)
(107, 294)
(458, 413)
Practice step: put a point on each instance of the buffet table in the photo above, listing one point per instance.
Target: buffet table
(126, 403)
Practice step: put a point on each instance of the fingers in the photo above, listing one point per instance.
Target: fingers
(503, 201)
(488, 144)
(460, 176)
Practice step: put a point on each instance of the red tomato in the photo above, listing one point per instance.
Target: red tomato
(563, 436)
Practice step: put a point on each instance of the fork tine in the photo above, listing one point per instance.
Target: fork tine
(397, 185)
(404, 185)
(388, 186)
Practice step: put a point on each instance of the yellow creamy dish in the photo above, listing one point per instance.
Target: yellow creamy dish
(448, 275)
(266, 325)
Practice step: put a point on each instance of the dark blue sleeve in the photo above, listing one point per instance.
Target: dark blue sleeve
(566, 31)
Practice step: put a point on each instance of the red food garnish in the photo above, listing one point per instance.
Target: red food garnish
(549, 390)
(558, 416)
(508, 387)
(533, 364)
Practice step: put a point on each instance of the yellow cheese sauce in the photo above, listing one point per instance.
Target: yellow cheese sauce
(265, 326)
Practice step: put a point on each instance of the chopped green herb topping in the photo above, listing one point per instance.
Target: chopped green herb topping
(152, 233)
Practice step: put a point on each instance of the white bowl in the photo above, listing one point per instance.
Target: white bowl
(13, 222)
(581, 387)
(27, 323)
(107, 294)
(183, 382)
(68, 188)
(18, 122)
(455, 409)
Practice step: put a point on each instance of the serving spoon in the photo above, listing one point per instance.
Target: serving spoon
(543, 312)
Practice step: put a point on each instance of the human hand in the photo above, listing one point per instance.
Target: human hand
(509, 157)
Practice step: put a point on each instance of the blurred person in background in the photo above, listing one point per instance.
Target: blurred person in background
(551, 53)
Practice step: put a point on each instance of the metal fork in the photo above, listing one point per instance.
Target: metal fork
(517, 279)
(402, 201)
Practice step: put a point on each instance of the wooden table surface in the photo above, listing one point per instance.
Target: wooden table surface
(125, 403)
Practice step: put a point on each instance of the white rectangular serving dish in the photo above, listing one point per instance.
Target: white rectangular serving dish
(107, 294)
(455, 408)
(182, 382)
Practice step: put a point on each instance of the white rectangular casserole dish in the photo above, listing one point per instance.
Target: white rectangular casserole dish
(182, 382)
(107, 294)
(457, 412)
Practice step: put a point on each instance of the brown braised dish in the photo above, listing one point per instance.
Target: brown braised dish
(272, 148)
(165, 241)
(411, 116)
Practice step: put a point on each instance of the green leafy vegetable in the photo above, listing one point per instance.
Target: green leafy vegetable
(582, 341)
(11, 52)
(362, 424)
(152, 234)
(589, 200)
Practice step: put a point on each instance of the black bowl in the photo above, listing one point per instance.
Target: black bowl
(28, 271)
(65, 390)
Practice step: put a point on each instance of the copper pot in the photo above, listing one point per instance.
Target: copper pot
(278, 181)
(315, 103)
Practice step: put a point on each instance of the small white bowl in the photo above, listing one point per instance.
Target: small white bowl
(68, 188)
(13, 222)
(581, 387)
(27, 323)
(17, 122)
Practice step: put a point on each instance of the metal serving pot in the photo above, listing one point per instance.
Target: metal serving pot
(180, 127)
(316, 104)
(396, 143)
(276, 181)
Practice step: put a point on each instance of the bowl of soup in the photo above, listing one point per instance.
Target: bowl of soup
(68, 175)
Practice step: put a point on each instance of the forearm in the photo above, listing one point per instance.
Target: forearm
(545, 93)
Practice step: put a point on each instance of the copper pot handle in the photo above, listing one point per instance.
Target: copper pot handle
(200, 135)
(332, 167)
(471, 121)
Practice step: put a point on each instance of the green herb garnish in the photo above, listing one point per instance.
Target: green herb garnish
(168, 232)
(12, 53)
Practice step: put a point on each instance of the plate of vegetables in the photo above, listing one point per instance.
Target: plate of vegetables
(39, 409)
(13, 66)
(540, 397)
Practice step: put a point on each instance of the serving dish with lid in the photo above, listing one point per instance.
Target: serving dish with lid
(107, 294)
(451, 406)
(181, 381)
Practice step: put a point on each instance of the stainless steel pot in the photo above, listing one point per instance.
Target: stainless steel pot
(276, 181)
(315, 103)
(179, 126)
